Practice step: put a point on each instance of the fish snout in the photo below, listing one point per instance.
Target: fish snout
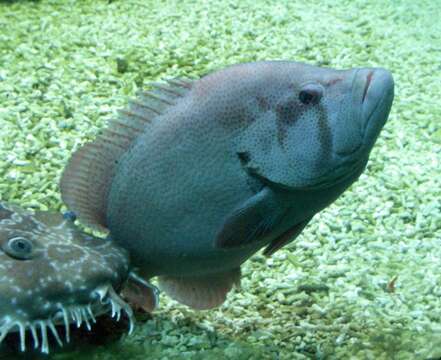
(375, 87)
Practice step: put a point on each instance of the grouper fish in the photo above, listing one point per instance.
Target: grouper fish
(51, 273)
(195, 176)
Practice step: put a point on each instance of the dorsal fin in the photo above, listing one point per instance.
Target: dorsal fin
(87, 177)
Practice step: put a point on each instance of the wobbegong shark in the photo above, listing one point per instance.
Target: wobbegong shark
(196, 176)
(51, 273)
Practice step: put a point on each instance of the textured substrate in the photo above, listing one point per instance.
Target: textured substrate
(66, 66)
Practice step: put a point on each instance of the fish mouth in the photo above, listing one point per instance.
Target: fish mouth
(104, 299)
(376, 100)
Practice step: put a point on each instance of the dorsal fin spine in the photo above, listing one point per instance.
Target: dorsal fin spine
(134, 116)
(108, 141)
(133, 129)
(159, 98)
(121, 136)
(181, 83)
(143, 105)
(169, 90)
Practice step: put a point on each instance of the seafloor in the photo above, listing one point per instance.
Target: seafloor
(67, 66)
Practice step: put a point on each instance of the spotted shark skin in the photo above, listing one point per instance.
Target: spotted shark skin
(52, 273)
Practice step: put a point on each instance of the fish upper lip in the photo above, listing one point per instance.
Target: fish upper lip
(381, 83)
(366, 86)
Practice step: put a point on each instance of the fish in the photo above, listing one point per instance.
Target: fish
(52, 273)
(197, 175)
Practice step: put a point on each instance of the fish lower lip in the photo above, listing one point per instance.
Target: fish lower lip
(352, 169)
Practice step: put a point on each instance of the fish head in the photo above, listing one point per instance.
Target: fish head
(317, 125)
(53, 273)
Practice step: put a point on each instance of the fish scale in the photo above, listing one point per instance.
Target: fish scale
(216, 168)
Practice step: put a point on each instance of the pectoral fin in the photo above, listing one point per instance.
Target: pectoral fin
(286, 237)
(252, 221)
(140, 293)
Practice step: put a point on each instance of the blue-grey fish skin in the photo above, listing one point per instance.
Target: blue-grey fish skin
(53, 273)
(248, 154)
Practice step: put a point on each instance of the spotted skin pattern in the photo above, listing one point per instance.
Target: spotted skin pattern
(53, 273)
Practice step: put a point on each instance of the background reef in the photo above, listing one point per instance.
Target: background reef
(364, 280)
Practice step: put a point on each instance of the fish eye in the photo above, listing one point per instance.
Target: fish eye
(19, 248)
(70, 215)
(310, 94)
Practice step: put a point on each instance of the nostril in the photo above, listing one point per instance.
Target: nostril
(368, 82)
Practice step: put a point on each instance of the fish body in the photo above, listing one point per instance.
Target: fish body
(195, 177)
(52, 273)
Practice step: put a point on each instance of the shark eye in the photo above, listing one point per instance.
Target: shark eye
(19, 248)
(310, 94)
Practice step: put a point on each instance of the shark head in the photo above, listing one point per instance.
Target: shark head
(52, 273)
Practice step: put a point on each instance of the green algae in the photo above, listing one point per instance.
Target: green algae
(67, 66)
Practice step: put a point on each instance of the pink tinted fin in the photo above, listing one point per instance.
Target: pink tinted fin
(201, 293)
(140, 294)
(286, 237)
(86, 180)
